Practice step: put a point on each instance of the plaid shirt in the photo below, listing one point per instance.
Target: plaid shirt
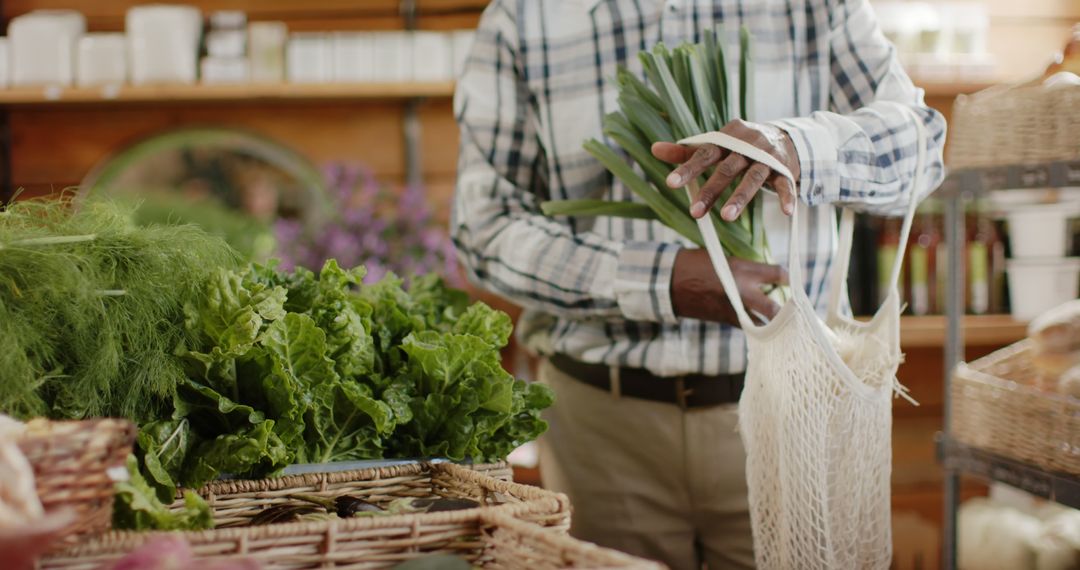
(537, 84)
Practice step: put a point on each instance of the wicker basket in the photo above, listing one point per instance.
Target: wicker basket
(996, 407)
(1022, 124)
(74, 464)
(490, 538)
(235, 502)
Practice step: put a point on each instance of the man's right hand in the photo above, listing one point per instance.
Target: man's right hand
(696, 291)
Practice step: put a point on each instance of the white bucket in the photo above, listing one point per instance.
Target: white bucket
(1040, 230)
(1037, 285)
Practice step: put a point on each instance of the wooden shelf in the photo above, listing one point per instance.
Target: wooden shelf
(982, 330)
(951, 88)
(117, 95)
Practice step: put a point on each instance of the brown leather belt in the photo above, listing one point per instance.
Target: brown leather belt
(691, 391)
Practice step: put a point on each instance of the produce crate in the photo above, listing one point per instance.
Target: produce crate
(489, 538)
(234, 503)
(75, 466)
(996, 407)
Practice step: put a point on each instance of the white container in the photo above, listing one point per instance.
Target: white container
(226, 43)
(433, 56)
(266, 51)
(463, 42)
(1040, 230)
(163, 43)
(228, 20)
(218, 70)
(393, 57)
(310, 58)
(966, 26)
(102, 60)
(5, 59)
(354, 57)
(1037, 285)
(43, 45)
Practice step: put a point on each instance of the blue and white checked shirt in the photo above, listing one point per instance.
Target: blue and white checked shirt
(537, 85)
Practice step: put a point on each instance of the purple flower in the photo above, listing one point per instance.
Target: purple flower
(383, 228)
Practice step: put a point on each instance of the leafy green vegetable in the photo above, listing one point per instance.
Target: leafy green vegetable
(252, 238)
(137, 506)
(242, 372)
(309, 368)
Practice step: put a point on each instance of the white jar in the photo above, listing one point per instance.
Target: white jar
(354, 57)
(218, 70)
(226, 43)
(266, 51)
(393, 57)
(102, 60)
(5, 59)
(163, 43)
(433, 56)
(43, 45)
(310, 58)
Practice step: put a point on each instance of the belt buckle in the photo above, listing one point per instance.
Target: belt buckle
(682, 392)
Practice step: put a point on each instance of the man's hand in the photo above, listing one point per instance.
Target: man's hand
(696, 292)
(730, 165)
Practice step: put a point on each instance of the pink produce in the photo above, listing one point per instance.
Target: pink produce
(174, 553)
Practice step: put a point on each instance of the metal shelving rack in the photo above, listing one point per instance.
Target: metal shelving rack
(959, 187)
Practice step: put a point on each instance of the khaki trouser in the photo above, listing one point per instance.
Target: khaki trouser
(648, 478)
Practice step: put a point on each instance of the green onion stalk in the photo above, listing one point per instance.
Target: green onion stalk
(686, 92)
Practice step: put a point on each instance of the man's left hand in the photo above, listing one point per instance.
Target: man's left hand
(731, 165)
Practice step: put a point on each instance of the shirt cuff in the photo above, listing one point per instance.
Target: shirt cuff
(819, 179)
(643, 281)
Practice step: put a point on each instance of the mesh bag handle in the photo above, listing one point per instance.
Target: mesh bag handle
(795, 269)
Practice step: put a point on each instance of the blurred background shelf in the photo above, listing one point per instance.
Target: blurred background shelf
(939, 88)
(979, 330)
(224, 93)
(1064, 489)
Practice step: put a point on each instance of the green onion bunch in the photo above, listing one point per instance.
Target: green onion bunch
(687, 93)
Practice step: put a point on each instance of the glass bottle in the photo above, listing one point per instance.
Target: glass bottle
(922, 258)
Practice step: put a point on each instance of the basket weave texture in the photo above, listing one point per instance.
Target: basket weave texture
(74, 463)
(996, 407)
(1023, 124)
(373, 542)
(489, 538)
(234, 503)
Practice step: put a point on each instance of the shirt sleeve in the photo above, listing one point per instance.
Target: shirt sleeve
(862, 151)
(505, 242)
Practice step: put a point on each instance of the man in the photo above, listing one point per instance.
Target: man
(640, 343)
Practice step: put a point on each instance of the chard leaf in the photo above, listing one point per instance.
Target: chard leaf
(252, 452)
(587, 208)
(137, 507)
(297, 350)
(492, 326)
(231, 315)
(345, 423)
(163, 445)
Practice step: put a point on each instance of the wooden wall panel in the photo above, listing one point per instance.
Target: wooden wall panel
(54, 148)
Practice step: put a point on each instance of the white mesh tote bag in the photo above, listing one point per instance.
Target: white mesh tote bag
(816, 413)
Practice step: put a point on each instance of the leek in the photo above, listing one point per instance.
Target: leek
(686, 93)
